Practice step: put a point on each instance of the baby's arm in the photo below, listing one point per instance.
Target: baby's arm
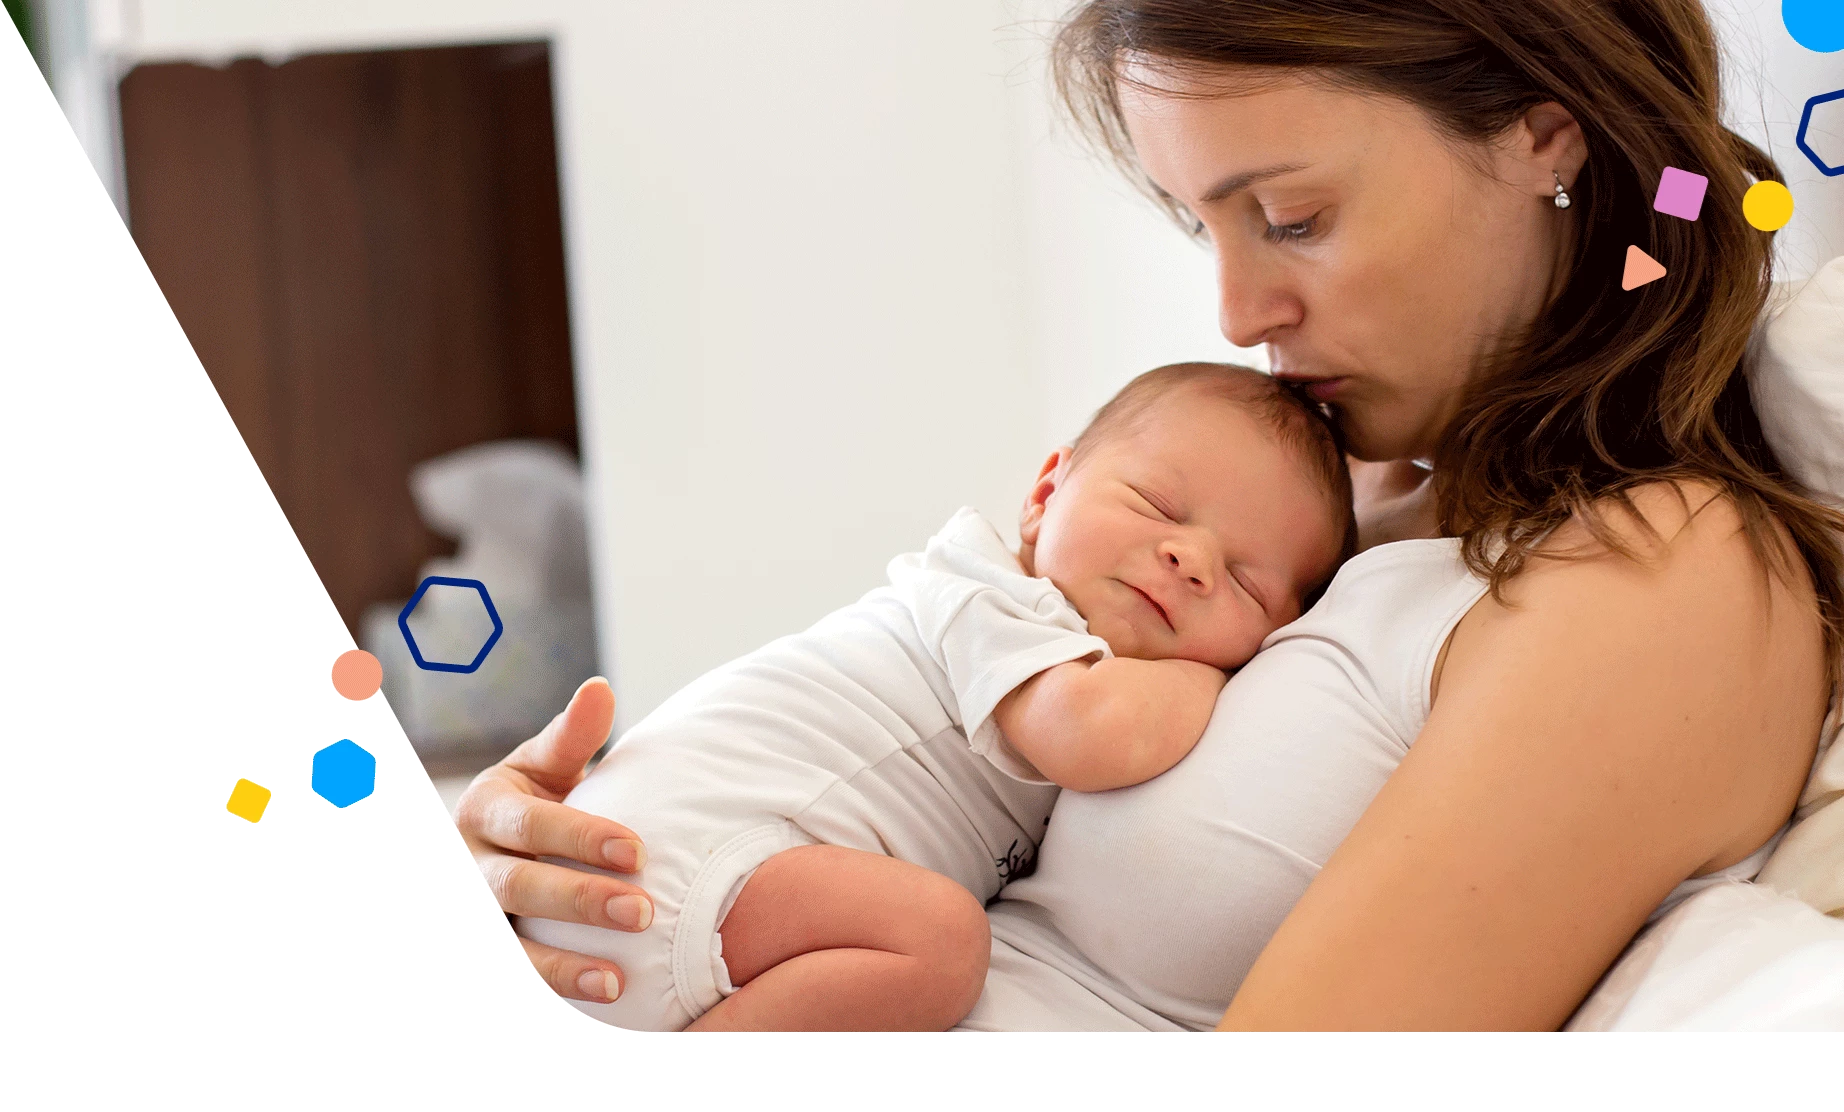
(824, 938)
(1118, 721)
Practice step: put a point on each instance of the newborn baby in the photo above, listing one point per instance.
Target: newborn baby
(827, 816)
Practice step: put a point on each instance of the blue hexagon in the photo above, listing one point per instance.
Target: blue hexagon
(1805, 123)
(403, 623)
(344, 773)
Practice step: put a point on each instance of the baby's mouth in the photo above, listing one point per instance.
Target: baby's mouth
(1154, 603)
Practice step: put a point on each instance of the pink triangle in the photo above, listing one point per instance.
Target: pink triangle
(1640, 269)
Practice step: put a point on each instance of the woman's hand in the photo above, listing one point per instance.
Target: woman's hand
(513, 813)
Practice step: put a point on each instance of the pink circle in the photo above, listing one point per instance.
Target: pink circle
(357, 674)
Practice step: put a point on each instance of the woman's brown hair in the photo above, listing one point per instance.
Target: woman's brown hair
(1608, 389)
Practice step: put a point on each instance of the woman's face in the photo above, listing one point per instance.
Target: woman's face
(1372, 255)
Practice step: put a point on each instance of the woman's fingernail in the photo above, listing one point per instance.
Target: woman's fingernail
(632, 913)
(624, 854)
(599, 984)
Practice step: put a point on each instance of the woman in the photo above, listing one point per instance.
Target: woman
(1451, 794)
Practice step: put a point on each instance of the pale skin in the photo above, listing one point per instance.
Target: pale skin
(1609, 728)
(1183, 541)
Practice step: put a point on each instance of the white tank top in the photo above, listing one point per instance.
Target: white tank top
(1150, 903)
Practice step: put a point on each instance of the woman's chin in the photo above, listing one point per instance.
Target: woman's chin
(1376, 442)
(1361, 444)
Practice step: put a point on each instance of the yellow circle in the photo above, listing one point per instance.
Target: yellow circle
(1768, 205)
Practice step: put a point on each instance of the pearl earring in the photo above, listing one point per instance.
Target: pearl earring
(1562, 195)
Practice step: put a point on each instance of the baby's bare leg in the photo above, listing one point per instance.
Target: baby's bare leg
(829, 939)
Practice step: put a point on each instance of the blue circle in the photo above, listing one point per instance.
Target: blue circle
(1815, 24)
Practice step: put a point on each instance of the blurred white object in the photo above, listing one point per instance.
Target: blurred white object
(1794, 375)
(516, 510)
(1734, 957)
(1808, 864)
(516, 507)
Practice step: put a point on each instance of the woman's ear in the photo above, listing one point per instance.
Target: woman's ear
(1049, 477)
(1549, 141)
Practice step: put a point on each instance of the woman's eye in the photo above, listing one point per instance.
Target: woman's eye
(1292, 233)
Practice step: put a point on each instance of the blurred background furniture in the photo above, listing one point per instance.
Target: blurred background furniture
(366, 252)
(365, 249)
(515, 510)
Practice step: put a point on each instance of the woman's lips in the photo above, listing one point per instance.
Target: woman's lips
(1321, 390)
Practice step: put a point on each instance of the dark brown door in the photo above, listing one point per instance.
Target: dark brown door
(366, 252)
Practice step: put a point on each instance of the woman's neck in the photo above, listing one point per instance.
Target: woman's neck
(1394, 501)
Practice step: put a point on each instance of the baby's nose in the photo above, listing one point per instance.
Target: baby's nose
(1193, 568)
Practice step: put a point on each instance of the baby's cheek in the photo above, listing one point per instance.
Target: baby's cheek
(1120, 636)
(1240, 643)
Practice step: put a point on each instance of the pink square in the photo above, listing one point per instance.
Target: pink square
(1680, 193)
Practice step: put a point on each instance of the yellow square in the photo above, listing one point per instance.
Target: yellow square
(248, 801)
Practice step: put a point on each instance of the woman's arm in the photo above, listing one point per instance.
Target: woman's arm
(1610, 729)
(512, 813)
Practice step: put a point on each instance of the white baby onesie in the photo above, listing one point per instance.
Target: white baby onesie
(872, 730)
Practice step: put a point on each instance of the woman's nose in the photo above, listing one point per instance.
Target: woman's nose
(1190, 565)
(1250, 306)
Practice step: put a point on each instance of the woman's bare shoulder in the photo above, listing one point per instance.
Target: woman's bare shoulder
(1668, 622)
(1670, 572)
(1684, 539)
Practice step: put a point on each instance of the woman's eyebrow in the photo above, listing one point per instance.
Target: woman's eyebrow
(1236, 183)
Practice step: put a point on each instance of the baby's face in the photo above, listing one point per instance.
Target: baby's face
(1193, 535)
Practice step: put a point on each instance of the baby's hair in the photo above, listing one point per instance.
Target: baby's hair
(1300, 425)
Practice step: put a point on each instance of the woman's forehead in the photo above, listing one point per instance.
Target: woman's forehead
(1165, 79)
(1189, 143)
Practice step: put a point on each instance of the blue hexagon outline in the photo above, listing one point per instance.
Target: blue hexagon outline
(1805, 121)
(403, 623)
(370, 757)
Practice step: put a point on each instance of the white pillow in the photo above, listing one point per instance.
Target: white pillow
(1733, 957)
(1796, 373)
(1809, 862)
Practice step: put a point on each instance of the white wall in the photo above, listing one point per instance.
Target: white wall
(796, 278)
(835, 272)
(1114, 288)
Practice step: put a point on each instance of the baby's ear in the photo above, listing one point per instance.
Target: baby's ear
(1049, 477)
